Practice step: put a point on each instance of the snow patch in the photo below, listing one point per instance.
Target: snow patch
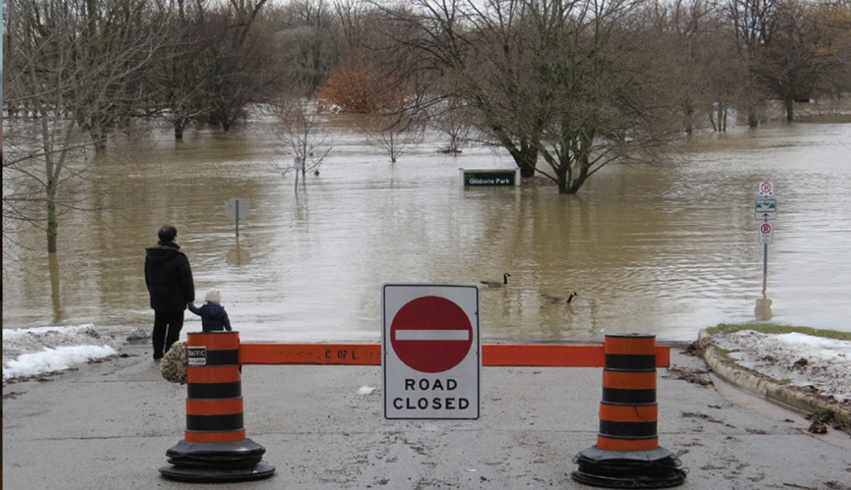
(796, 358)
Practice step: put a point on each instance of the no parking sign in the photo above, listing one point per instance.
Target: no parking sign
(431, 347)
(766, 233)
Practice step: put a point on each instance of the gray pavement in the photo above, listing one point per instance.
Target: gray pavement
(108, 425)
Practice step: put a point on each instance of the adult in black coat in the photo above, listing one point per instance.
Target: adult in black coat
(168, 277)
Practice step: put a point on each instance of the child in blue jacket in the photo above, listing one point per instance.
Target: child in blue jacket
(214, 318)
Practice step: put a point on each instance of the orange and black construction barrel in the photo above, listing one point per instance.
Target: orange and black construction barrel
(627, 454)
(215, 448)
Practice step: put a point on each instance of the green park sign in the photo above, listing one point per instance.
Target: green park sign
(486, 177)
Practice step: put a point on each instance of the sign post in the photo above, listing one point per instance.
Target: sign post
(236, 209)
(431, 351)
(765, 210)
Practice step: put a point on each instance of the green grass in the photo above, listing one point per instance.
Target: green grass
(775, 329)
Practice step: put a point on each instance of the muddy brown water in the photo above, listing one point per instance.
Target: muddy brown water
(664, 249)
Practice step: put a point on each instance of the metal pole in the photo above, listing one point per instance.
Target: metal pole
(764, 268)
(237, 223)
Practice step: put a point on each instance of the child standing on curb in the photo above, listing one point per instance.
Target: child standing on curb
(214, 318)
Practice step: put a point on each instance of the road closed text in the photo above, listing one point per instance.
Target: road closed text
(423, 395)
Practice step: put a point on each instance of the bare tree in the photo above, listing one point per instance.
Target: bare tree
(790, 49)
(798, 55)
(394, 133)
(354, 30)
(114, 40)
(69, 77)
(305, 34)
(301, 135)
(577, 83)
(239, 67)
(689, 31)
(753, 25)
(452, 117)
(176, 81)
(835, 19)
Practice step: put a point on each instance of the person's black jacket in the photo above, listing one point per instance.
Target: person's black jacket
(169, 278)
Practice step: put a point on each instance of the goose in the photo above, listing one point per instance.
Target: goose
(559, 300)
(497, 284)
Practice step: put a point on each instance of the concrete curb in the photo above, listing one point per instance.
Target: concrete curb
(791, 397)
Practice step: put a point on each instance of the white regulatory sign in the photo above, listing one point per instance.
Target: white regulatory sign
(766, 233)
(765, 209)
(431, 346)
(766, 189)
(196, 356)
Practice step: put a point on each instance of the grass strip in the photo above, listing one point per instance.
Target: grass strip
(769, 328)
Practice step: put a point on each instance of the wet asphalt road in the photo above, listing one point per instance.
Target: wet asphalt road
(108, 425)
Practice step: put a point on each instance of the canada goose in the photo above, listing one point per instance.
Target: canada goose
(559, 300)
(497, 284)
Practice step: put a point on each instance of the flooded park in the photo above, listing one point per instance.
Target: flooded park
(664, 248)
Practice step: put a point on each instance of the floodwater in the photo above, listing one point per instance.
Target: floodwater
(665, 249)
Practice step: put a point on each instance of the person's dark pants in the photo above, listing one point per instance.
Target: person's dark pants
(167, 328)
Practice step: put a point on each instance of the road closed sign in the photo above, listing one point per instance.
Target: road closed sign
(431, 347)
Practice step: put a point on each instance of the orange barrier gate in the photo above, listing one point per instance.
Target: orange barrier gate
(626, 442)
(367, 354)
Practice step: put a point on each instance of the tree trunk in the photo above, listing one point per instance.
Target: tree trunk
(98, 140)
(789, 103)
(526, 158)
(564, 177)
(178, 131)
(52, 223)
(688, 111)
(563, 188)
(719, 117)
(578, 163)
(753, 119)
(525, 155)
(55, 298)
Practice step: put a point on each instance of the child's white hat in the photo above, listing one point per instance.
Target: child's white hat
(213, 296)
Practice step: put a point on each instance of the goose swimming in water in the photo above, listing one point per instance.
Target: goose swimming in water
(558, 299)
(497, 284)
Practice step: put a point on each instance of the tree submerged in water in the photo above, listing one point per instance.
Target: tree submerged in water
(302, 135)
(563, 84)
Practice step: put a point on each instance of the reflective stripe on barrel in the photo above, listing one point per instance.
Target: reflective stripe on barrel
(628, 410)
(214, 406)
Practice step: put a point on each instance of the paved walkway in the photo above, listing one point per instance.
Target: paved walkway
(108, 426)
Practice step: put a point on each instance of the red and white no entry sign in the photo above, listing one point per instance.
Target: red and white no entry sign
(432, 362)
(431, 334)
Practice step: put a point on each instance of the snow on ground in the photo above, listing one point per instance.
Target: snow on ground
(34, 351)
(799, 359)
